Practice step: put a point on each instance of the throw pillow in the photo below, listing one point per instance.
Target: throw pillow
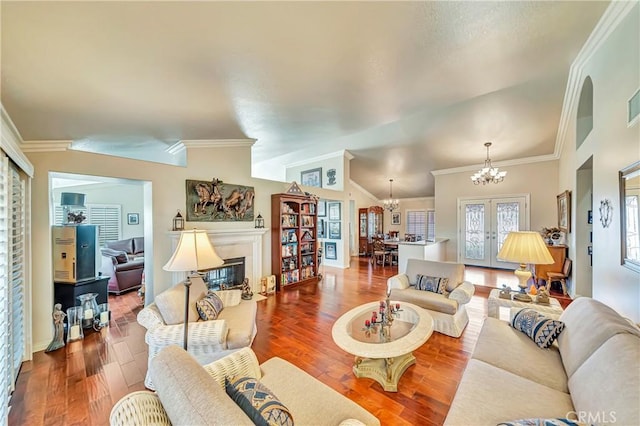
(542, 330)
(209, 307)
(258, 402)
(433, 284)
(541, 422)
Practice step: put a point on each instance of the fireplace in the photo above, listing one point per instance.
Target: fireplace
(228, 276)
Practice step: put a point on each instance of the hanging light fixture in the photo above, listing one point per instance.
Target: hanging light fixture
(488, 174)
(390, 204)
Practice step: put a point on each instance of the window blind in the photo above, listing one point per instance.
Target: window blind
(17, 271)
(422, 224)
(5, 363)
(108, 217)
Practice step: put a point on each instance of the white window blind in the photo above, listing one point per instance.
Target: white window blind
(422, 224)
(17, 271)
(431, 225)
(5, 362)
(108, 217)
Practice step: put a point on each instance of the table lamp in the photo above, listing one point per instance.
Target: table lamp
(524, 247)
(194, 253)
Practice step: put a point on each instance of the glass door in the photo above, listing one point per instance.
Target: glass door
(484, 225)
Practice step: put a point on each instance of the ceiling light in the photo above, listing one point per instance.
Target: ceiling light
(390, 204)
(488, 174)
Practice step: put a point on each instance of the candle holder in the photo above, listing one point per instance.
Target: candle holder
(382, 319)
(89, 309)
(74, 318)
(103, 318)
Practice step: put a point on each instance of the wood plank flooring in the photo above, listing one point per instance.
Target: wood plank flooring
(78, 384)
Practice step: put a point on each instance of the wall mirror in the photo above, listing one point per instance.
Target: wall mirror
(630, 216)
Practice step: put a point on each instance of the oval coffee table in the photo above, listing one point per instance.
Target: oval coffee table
(375, 358)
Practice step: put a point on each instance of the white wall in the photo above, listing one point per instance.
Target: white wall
(294, 173)
(614, 67)
(427, 203)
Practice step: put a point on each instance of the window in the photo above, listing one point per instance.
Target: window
(5, 363)
(108, 217)
(422, 224)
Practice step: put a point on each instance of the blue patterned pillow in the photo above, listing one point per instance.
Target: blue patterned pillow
(209, 307)
(433, 284)
(258, 402)
(542, 330)
(541, 422)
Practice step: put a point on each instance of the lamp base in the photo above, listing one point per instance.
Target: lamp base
(523, 276)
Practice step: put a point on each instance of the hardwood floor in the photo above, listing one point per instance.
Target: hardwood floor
(78, 384)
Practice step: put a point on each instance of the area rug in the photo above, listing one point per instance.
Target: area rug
(258, 297)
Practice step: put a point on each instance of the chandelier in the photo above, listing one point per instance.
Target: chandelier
(488, 174)
(390, 204)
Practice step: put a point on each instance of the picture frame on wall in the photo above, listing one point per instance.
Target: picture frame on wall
(133, 218)
(564, 211)
(334, 230)
(321, 228)
(330, 250)
(334, 211)
(312, 177)
(322, 208)
(395, 218)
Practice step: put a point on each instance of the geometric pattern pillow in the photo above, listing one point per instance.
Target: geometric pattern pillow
(541, 422)
(542, 330)
(209, 307)
(258, 402)
(433, 284)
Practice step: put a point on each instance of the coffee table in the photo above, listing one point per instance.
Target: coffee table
(494, 302)
(375, 358)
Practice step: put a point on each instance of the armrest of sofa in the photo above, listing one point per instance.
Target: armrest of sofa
(242, 363)
(400, 281)
(139, 408)
(150, 317)
(462, 294)
(200, 334)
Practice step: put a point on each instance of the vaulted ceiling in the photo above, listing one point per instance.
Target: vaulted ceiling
(406, 87)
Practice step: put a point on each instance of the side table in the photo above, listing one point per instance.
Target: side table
(66, 293)
(494, 302)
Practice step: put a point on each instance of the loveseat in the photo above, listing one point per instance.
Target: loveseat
(448, 308)
(134, 247)
(124, 272)
(590, 373)
(234, 328)
(190, 394)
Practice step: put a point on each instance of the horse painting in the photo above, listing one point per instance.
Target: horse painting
(215, 201)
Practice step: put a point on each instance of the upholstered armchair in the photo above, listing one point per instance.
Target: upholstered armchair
(233, 329)
(448, 307)
(124, 273)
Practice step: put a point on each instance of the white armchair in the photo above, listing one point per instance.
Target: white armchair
(208, 341)
(448, 310)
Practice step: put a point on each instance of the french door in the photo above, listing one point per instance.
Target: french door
(484, 224)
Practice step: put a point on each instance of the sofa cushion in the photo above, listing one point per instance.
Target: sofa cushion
(488, 395)
(303, 395)
(426, 300)
(608, 382)
(121, 245)
(209, 307)
(241, 324)
(504, 347)
(542, 330)
(170, 302)
(229, 297)
(453, 271)
(258, 402)
(188, 394)
(584, 319)
(432, 284)
(138, 245)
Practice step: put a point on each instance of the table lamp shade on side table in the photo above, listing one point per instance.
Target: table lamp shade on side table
(524, 247)
(194, 253)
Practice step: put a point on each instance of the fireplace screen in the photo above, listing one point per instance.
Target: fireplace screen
(229, 275)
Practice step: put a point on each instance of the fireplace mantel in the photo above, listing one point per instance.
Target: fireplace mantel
(230, 243)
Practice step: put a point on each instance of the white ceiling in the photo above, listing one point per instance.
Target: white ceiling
(406, 87)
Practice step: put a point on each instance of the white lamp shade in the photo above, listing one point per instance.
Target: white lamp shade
(194, 253)
(525, 247)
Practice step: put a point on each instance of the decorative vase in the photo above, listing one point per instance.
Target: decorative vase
(90, 308)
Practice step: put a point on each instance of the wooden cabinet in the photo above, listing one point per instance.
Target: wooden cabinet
(370, 221)
(294, 244)
(559, 254)
(363, 241)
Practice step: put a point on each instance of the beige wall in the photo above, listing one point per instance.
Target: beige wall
(614, 68)
(361, 199)
(540, 180)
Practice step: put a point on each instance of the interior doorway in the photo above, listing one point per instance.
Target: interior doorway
(483, 225)
(581, 281)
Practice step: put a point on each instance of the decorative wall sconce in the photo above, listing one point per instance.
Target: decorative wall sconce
(606, 212)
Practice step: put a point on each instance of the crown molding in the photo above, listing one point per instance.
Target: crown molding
(46, 146)
(216, 143)
(11, 142)
(361, 189)
(615, 13)
(341, 153)
(506, 163)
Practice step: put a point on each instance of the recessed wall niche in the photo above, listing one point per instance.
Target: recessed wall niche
(584, 119)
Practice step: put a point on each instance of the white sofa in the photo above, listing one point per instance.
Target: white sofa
(235, 327)
(448, 310)
(187, 395)
(591, 373)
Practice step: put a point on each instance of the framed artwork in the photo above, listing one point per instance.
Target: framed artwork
(322, 208)
(590, 217)
(312, 177)
(395, 218)
(334, 230)
(564, 211)
(321, 229)
(133, 218)
(334, 211)
(330, 251)
(216, 201)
